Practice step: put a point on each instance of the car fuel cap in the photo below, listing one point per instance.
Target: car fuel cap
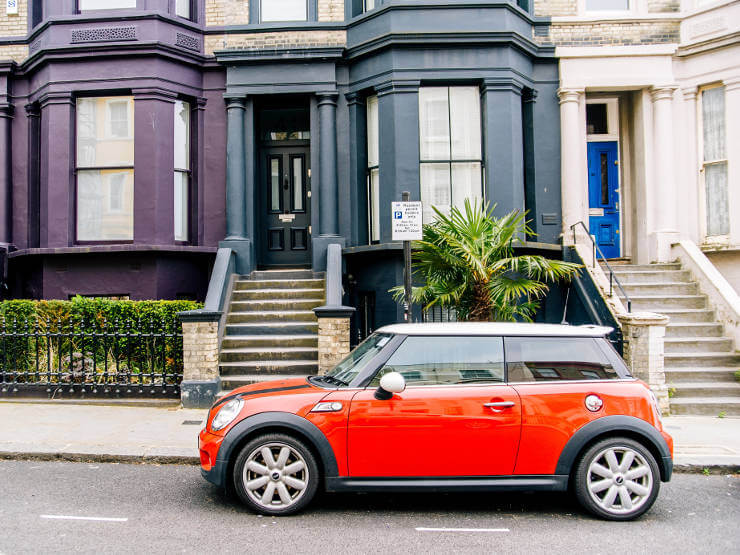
(594, 403)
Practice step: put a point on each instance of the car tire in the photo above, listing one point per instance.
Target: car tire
(275, 474)
(617, 479)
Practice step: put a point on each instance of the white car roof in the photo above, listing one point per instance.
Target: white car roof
(496, 328)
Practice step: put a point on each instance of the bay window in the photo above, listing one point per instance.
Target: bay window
(373, 167)
(84, 5)
(714, 160)
(283, 10)
(105, 169)
(182, 169)
(451, 165)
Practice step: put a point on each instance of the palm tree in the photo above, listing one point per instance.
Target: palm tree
(467, 263)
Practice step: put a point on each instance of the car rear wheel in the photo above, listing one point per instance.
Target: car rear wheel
(617, 479)
(275, 474)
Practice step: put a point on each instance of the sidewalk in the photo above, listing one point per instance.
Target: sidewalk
(169, 435)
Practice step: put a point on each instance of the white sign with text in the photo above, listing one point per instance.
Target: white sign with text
(11, 7)
(406, 221)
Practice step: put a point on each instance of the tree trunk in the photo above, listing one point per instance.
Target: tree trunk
(481, 309)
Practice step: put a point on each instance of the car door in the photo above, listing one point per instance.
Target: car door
(456, 417)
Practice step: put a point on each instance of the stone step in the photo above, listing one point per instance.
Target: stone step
(668, 276)
(287, 273)
(697, 345)
(692, 329)
(708, 406)
(266, 341)
(276, 304)
(305, 367)
(272, 353)
(667, 288)
(689, 374)
(689, 315)
(670, 266)
(655, 303)
(702, 360)
(266, 316)
(274, 294)
(232, 382)
(682, 390)
(249, 284)
(272, 328)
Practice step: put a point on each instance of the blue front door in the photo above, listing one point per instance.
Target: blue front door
(603, 196)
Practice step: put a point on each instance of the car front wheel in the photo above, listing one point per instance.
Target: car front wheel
(275, 474)
(617, 479)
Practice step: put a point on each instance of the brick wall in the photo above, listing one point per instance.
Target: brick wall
(612, 33)
(14, 25)
(333, 342)
(227, 12)
(271, 40)
(16, 52)
(555, 7)
(331, 10)
(200, 351)
(663, 6)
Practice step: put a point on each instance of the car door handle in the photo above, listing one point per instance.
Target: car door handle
(499, 405)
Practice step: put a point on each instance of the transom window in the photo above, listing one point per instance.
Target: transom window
(283, 10)
(451, 165)
(84, 5)
(373, 169)
(429, 360)
(182, 169)
(714, 161)
(105, 169)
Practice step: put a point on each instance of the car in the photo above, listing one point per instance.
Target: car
(448, 407)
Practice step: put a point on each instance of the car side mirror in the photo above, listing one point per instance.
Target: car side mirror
(390, 383)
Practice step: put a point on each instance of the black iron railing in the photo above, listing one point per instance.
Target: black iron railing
(128, 358)
(596, 251)
(439, 314)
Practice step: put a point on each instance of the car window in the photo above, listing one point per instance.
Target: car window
(432, 360)
(534, 359)
(357, 360)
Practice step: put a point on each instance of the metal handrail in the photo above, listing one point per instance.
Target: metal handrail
(595, 250)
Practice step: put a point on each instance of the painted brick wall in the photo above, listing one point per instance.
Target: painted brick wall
(14, 25)
(331, 10)
(612, 33)
(16, 52)
(227, 12)
(271, 40)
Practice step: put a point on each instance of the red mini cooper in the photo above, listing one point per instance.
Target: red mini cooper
(443, 407)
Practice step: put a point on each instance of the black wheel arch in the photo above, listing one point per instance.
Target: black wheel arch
(616, 426)
(276, 422)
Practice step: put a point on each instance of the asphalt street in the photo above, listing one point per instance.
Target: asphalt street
(124, 508)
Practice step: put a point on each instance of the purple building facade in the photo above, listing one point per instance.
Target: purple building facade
(113, 142)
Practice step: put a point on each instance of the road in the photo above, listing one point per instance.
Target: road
(169, 509)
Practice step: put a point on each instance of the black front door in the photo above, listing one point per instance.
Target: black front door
(285, 207)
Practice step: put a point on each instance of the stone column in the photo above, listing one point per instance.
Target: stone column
(328, 185)
(6, 176)
(504, 143)
(573, 185)
(200, 381)
(644, 334)
(689, 165)
(665, 231)
(235, 168)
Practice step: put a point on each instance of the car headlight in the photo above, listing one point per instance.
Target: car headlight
(226, 414)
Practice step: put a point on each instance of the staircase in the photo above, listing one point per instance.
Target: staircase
(271, 331)
(700, 361)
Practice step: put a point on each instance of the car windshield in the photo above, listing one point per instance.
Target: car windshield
(347, 370)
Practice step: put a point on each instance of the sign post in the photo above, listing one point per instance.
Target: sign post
(407, 227)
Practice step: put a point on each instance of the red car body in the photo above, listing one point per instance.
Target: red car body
(446, 436)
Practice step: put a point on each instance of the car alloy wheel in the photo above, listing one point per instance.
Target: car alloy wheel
(617, 479)
(275, 474)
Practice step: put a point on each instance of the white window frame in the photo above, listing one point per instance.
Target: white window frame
(373, 216)
(280, 20)
(80, 7)
(635, 7)
(109, 121)
(187, 172)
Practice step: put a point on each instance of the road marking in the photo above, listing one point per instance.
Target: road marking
(421, 529)
(97, 518)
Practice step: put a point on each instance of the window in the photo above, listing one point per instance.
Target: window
(373, 170)
(37, 12)
(596, 119)
(447, 360)
(714, 160)
(450, 140)
(607, 5)
(183, 8)
(84, 5)
(283, 10)
(368, 5)
(533, 359)
(182, 169)
(105, 169)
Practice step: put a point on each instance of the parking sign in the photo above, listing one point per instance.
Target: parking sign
(406, 221)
